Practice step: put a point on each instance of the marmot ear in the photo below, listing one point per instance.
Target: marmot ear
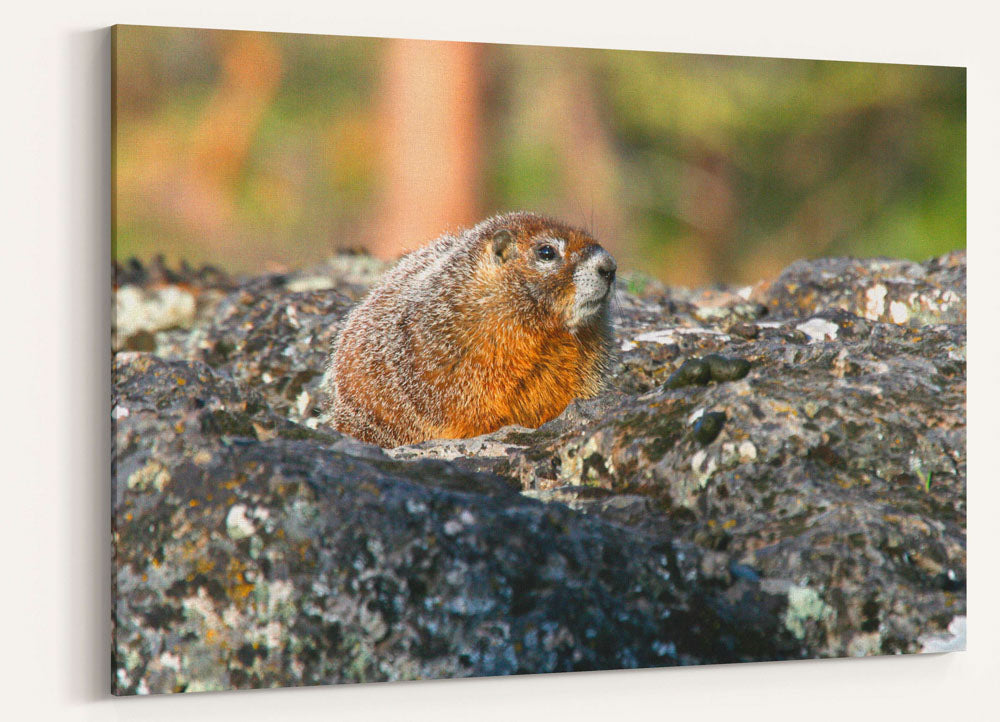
(503, 245)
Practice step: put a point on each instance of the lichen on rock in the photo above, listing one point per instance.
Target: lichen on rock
(807, 500)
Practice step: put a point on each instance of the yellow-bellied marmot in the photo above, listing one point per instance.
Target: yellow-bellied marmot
(503, 323)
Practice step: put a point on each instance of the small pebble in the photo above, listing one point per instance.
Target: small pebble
(708, 426)
(724, 368)
(692, 371)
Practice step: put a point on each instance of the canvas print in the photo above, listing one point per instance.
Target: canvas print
(444, 359)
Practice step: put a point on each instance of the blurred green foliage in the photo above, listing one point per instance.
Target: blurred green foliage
(700, 167)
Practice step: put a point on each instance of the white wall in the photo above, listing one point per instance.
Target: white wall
(54, 230)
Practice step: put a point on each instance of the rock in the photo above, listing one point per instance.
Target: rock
(824, 517)
(708, 426)
(693, 372)
(253, 552)
(878, 289)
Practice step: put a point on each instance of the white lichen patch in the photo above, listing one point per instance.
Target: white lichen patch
(730, 456)
(119, 412)
(899, 312)
(667, 336)
(205, 685)
(137, 309)
(292, 314)
(875, 302)
(748, 452)
(464, 519)
(169, 660)
(865, 645)
(573, 460)
(804, 607)
(951, 641)
(123, 679)
(662, 336)
(819, 329)
(478, 446)
(272, 635)
(711, 313)
(153, 474)
(703, 467)
(200, 605)
(416, 507)
(309, 283)
(695, 331)
(948, 298)
(279, 596)
(238, 525)
(232, 617)
(302, 402)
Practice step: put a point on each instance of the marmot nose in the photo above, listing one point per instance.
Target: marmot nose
(606, 268)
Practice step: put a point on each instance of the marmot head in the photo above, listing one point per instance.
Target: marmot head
(554, 268)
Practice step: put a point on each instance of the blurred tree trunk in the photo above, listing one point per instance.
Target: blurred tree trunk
(431, 137)
(251, 68)
(592, 186)
(708, 205)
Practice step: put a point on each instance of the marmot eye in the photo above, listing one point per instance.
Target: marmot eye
(547, 252)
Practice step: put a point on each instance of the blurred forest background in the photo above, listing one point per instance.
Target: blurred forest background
(259, 150)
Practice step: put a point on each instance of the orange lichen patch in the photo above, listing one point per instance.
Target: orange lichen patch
(237, 586)
(239, 592)
(729, 524)
(211, 635)
(203, 566)
(179, 427)
(193, 502)
(180, 381)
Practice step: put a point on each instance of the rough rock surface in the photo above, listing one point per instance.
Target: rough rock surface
(812, 507)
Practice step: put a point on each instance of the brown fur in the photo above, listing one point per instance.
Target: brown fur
(459, 340)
